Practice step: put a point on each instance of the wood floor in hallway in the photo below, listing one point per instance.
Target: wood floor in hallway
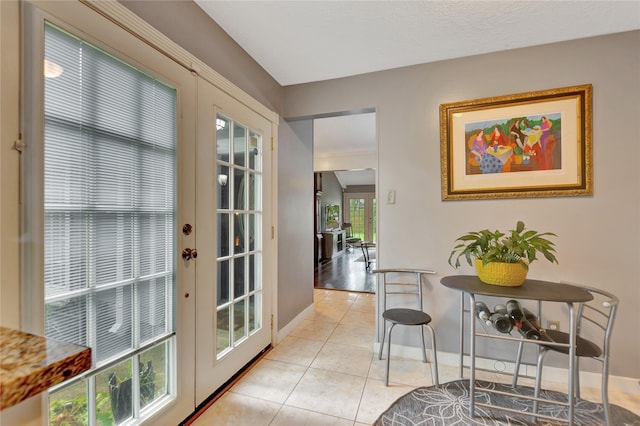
(345, 272)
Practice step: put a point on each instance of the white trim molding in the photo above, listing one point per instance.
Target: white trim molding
(550, 374)
(284, 331)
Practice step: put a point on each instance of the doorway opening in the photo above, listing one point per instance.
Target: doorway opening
(345, 160)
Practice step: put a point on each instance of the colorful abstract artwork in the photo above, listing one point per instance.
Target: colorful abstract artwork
(535, 144)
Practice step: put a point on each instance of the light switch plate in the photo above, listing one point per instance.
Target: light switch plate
(391, 197)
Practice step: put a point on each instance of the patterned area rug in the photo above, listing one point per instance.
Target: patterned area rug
(448, 404)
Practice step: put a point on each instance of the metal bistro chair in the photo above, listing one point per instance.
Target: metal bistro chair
(594, 318)
(349, 238)
(397, 282)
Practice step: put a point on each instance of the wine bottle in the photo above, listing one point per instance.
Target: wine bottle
(528, 331)
(532, 318)
(483, 312)
(515, 312)
(501, 320)
(500, 309)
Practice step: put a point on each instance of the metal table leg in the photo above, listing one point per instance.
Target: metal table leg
(572, 362)
(461, 334)
(472, 355)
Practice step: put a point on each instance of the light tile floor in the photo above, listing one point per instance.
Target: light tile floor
(325, 373)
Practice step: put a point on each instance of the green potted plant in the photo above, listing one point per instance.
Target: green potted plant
(503, 258)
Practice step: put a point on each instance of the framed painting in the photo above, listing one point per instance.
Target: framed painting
(534, 144)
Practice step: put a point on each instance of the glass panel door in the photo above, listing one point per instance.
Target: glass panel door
(361, 212)
(233, 307)
(239, 217)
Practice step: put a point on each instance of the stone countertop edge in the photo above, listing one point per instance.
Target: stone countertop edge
(31, 364)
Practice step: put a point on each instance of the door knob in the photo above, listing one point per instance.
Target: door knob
(189, 254)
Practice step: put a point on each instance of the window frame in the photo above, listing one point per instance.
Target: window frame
(84, 23)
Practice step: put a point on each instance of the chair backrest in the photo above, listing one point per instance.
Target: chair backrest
(401, 282)
(595, 318)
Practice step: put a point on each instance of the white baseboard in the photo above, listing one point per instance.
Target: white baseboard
(284, 331)
(550, 374)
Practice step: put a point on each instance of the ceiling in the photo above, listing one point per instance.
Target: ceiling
(346, 133)
(302, 41)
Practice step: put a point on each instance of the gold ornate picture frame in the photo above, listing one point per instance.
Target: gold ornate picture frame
(534, 144)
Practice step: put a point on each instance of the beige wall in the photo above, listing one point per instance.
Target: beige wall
(597, 236)
(295, 220)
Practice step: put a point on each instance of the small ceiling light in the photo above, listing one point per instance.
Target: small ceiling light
(222, 180)
(220, 124)
(52, 70)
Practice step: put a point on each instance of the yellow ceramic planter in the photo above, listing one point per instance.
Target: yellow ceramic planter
(502, 274)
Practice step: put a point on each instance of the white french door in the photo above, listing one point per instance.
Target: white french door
(233, 238)
(360, 211)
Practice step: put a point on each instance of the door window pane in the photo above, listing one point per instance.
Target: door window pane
(238, 278)
(239, 232)
(239, 145)
(255, 312)
(223, 139)
(223, 186)
(223, 336)
(254, 272)
(239, 325)
(239, 268)
(357, 217)
(255, 149)
(223, 289)
(240, 191)
(254, 192)
(254, 231)
(223, 234)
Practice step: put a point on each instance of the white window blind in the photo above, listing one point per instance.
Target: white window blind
(109, 209)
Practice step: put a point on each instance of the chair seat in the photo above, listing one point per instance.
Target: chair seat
(584, 347)
(352, 240)
(406, 316)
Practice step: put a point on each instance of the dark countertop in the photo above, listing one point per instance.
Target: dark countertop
(530, 289)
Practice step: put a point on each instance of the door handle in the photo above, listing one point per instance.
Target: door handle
(189, 254)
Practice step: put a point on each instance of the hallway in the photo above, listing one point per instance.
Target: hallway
(346, 272)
